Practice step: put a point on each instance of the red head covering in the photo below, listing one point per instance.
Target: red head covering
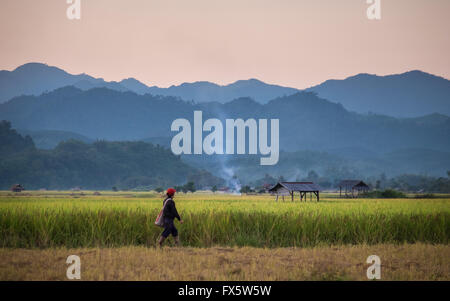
(171, 191)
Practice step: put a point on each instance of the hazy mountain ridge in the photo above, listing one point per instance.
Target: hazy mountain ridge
(306, 121)
(37, 78)
(48, 139)
(409, 94)
(206, 91)
(97, 165)
(296, 165)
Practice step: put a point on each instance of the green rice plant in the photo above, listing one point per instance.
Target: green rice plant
(219, 220)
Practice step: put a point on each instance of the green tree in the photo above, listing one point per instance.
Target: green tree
(190, 186)
(246, 189)
(312, 176)
(378, 185)
(214, 189)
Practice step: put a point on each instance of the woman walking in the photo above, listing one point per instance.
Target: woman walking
(169, 214)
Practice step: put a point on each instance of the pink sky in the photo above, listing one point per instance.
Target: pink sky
(294, 43)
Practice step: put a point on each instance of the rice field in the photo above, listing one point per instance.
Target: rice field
(84, 220)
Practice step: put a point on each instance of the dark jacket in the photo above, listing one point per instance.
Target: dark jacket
(170, 211)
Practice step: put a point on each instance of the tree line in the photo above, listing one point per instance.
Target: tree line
(98, 165)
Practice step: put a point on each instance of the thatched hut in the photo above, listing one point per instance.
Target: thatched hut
(289, 188)
(17, 188)
(352, 188)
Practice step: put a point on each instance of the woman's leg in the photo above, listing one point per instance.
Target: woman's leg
(167, 230)
(175, 235)
(161, 240)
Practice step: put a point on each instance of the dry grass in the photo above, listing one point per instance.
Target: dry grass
(399, 262)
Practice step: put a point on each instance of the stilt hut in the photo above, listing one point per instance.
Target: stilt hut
(352, 188)
(17, 188)
(289, 188)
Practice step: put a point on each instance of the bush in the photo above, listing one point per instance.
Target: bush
(385, 194)
(426, 196)
(246, 189)
(392, 194)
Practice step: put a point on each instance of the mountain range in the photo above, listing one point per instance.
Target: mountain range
(49, 139)
(96, 165)
(335, 128)
(37, 78)
(409, 94)
(306, 120)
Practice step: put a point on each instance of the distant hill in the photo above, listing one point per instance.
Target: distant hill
(295, 166)
(12, 142)
(37, 78)
(48, 139)
(99, 165)
(306, 121)
(99, 113)
(410, 94)
(418, 161)
(208, 92)
(162, 141)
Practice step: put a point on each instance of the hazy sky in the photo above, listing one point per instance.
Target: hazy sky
(294, 43)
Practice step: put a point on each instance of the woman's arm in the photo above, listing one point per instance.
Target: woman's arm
(175, 212)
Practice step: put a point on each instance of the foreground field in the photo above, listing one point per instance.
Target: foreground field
(74, 220)
(398, 262)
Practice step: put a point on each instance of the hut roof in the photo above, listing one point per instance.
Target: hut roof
(352, 183)
(17, 188)
(297, 186)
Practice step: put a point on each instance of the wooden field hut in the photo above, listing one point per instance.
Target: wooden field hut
(290, 188)
(352, 188)
(17, 188)
(224, 189)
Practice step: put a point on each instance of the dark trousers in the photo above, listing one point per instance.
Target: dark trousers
(169, 228)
